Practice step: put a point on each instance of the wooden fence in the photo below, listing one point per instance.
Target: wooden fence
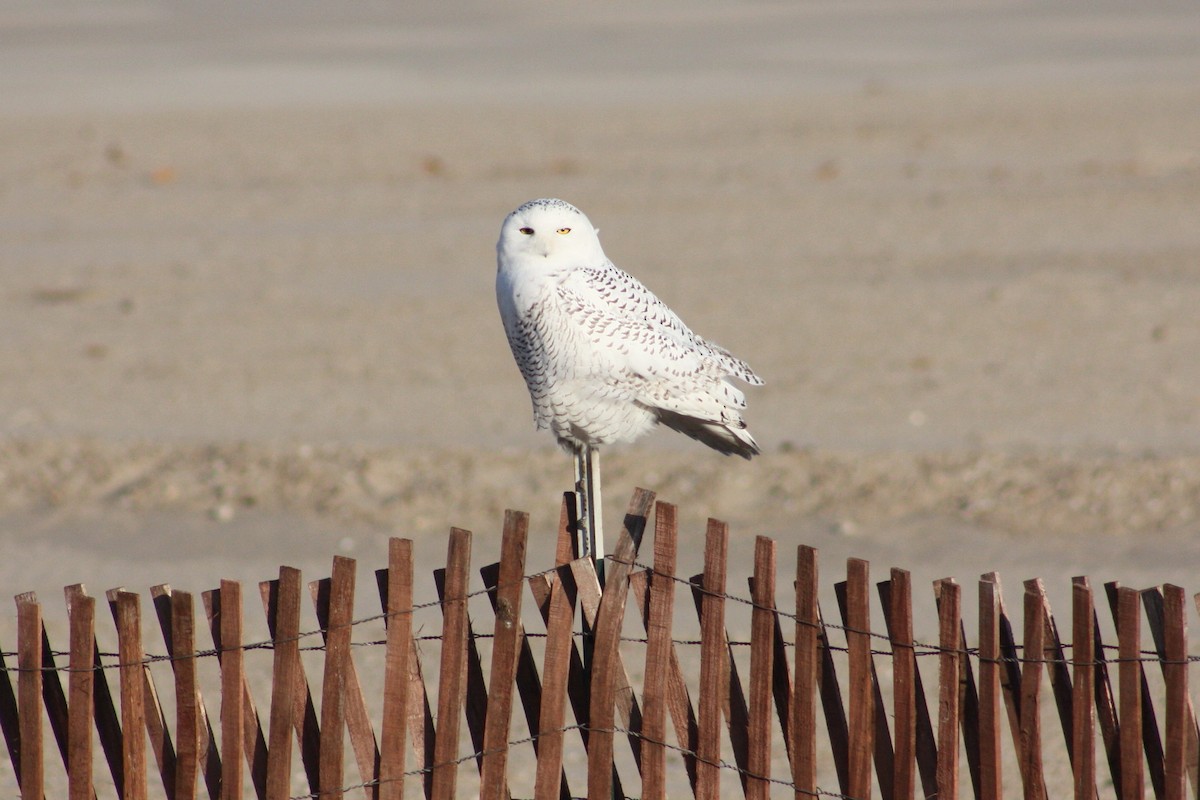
(885, 737)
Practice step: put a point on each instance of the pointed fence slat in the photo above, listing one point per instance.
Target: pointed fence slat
(609, 619)
(558, 610)
(506, 646)
(713, 662)
(82, 612)
(475, 701)
(335, 615)
(762, 653)
(1129, 678)
(202, 747)
(187, 713)
(398, 619)
(108, 721)
(452, 675)
(1168, 627)
(1151, 739)
(420, 714)
(948, 597)
(990, 778)
(1030, 754)
(29, 695)
(128, 615)
(657, 615)
(1083, 656)
(356, 716)
(284, 621)
(804, 707)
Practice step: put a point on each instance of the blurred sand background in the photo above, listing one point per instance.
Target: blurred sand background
(246, 265)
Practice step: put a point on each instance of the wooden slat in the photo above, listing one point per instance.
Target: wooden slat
(203, 750)
(1106, 705)
(420, 714)
(860, 697)
(233, 691)
(762, 653)
(1174, 663)
(1155, 603)
(968, 698)
(896, 595)
(506, 647)
(303, 714)
(398, 610)
(948, 597)
(658, 619)
(54, 697)
(356, 716)
(1030, 754)
(676, 697)
(897, 612)
(30, 771)
(285, 632)
(1054, 653)
(82, 611)
(335, 698)
(1129, 679)
(127, 611)
(9, 718)
(225, 627)
(804, 702)
(475, 693)
(157, 728)
(1151, 739)
(452, 675)
(606, 665)
(187, 715)
(108, 721)
(990, 778)
(714, 661)
(1083, 655)
(558, 609)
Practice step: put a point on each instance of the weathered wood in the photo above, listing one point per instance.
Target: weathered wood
(303, 714)
(420, 714)
(762, 653)
(10, 721)
(1155, 603)
(335, 694)
(187, 715)
(54, 697)
(475, 698)
(990, 777)
(30, 770)
(396, 695)
(284, 621)
(127, 611)
(804, 700)
(236, 745)
(1151, 739)
(1030, 754)
(452, 674)
(1174, 664)
(224, 609)
(714, 661)
(606, 663)
(947, 593)
(506, 645)
(1054, 654)
(896, 595)
(204, 750)
(1129, 680)
(356, 716)
(676, 697)
(1083, 656)
(860, 697)
(558, 609)
(108, 721)
(82, 611)
(657, 617)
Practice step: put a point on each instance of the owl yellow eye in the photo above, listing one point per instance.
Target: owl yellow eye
(564, 231)
(526, 231)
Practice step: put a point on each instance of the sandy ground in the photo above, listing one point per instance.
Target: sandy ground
(246, 307)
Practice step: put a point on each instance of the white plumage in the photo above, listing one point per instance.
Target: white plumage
(604, 359)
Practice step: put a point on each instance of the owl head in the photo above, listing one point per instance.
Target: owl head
(548, 235)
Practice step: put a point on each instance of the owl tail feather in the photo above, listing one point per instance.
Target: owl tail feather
(723, 438)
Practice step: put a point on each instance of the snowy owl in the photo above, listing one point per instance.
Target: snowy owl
(604, 359)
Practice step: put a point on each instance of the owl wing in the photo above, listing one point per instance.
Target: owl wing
(621, 295)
